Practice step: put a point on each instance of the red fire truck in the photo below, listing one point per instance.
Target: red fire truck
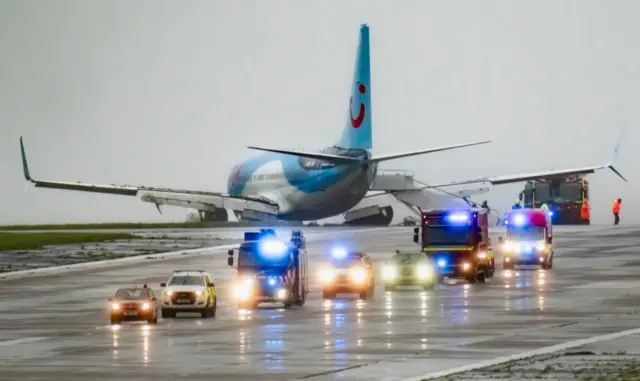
(458, 243)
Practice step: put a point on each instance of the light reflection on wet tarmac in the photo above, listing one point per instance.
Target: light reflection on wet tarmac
(274, 343)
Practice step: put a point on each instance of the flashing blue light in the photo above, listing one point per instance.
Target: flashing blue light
(442, 263)
(273, 247)
(272, 281)
(339, 252)
(550, 213)
(518, 219)
(459, 217)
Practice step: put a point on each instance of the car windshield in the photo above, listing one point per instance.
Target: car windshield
(132, 294)
(345, 263)
(187, 280)
(446, 235)
(406, 259)
(525, 233)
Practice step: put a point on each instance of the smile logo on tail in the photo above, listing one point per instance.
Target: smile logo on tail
(356, 122)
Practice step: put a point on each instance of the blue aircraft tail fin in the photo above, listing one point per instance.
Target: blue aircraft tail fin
(357, 131)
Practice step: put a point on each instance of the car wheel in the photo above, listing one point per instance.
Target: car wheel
(115, 321)
(328, 295)
(215, 307)
(482, 276)
(363, 294)
(388, 287)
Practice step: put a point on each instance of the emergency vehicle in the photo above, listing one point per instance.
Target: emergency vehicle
(529, 239)
(565, 197)
(409, 269)
(457, 241)
(348, 272)
(133, 304)
(270, 270)
(190, 291)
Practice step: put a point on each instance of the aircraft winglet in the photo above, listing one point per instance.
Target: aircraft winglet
(25, 166)
(615, 155)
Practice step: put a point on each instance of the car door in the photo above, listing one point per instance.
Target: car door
(212, 289)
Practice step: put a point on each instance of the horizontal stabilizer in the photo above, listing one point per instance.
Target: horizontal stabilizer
(312, 155)
(379, 158)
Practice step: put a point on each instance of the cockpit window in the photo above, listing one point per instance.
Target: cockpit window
(187, 280)
(132, 294)
(350, 262)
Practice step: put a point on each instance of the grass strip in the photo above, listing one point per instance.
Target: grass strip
(34, 241)
(137, 225)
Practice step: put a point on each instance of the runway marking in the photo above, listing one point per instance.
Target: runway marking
(22, 341)
(524, 355)
(141, 258)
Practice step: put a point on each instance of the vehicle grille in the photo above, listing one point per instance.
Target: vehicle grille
(130, 306)
(190, 296)
(407, 271)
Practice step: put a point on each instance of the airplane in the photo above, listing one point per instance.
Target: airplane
(282, 184)
(297, 185)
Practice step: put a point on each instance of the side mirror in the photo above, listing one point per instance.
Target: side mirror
(163, 284)
(153, 299)
(110, 298)
(211, 285)
(416, 230)
(230, 261)
(549, 239)
(415, 238)
(501, 239)
(230, 252)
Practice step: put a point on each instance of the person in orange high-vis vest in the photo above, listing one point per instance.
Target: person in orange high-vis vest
(584, 211)
(616, 211)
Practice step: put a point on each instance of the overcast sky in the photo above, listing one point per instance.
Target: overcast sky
(169, 93)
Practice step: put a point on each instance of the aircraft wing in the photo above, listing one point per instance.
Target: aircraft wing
(498, 180)
(312, 155)
(207, 201)
(379, 158)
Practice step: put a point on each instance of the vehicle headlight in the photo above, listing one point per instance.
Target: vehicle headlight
(358, 275)
(145, 306)
(466, 266)
(115, 306)
(327, 275)
(507, 246)
(482, 255)
(541, 246)
(169, 293)
(424, 272)
(388, 272)
(282, 294)
(198, 293)
(241, 291)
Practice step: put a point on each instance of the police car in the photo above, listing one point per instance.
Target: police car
(189, 291)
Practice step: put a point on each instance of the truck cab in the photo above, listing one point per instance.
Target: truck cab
(457, 241)
(270, 270)
(529, 239)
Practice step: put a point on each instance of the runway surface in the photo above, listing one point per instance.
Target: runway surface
(56, 327)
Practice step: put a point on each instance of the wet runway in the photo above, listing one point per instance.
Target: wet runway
(56, 328)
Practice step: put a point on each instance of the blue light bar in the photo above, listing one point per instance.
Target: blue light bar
(458, 217)
(272, 281)
(550, 213)
(442, 263)
(339, 252)
(518, 219)
(272, 247)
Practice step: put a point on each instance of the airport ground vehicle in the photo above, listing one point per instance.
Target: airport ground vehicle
(133, 304)
(563, 195)
(529, 239)
(409, 269)
(458, 242)
(348, 272)
(189, 291)
(270, 270)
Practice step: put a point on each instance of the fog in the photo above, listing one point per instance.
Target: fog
(169, 93)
